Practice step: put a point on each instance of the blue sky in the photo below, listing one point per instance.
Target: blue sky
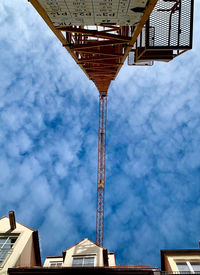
(48, 145)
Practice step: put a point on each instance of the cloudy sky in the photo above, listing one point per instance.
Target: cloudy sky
(48, 145)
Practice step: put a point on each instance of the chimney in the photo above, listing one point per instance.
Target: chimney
(12, 220)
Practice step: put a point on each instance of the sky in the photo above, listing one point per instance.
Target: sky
(48, 145)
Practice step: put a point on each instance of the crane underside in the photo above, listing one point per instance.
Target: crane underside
(99, 50)
(100, 45)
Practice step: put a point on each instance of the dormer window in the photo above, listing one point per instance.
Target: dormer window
(56, 263)
(83, 261)
(6, 245)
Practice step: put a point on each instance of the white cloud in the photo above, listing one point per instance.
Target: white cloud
(48, 142)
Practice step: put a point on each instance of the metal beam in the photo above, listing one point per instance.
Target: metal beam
(95, 44)
(94, 33)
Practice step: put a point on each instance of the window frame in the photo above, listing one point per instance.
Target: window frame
(55, 263)
(9, 251)
(189, 265)
(83, 258)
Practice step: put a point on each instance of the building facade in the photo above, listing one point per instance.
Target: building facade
(19, 245)
(20, 254)
(180, 261)
(83, 254)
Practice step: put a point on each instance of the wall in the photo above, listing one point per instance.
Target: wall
(48, 260)
(23, 249)
(111, 259)
(84, 248)
(180, 258)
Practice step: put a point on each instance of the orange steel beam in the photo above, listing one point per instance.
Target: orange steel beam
(99, 34)
(99, 67)
(97, 58)
(104, 62)
(99, 52)
(87, 49)
(98, 44)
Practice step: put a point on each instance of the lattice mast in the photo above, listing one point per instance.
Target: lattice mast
(101, 167)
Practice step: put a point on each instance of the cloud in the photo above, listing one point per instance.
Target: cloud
(48, 143)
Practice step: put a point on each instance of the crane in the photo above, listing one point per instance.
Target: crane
(100, 52)
(100, 34)
(101, 167)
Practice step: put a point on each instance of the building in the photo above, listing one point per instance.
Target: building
(180, 261)
(84, 253)
(20, 254)
(19, 245)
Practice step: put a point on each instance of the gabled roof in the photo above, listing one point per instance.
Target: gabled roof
(81, 242)
(19, 223)
(77, 244)
(35, 241)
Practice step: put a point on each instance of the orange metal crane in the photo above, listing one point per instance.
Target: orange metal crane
(101, 167)
(100, 51)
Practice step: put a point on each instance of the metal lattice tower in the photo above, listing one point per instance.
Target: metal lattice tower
(101, 167)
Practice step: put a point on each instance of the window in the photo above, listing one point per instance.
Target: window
(56, 264)
(6, 244)
(185, 267)
(195, 267)
(83, 261)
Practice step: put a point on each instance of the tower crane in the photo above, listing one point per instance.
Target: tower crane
(100, 34)
(101, 167)
(100, 51)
